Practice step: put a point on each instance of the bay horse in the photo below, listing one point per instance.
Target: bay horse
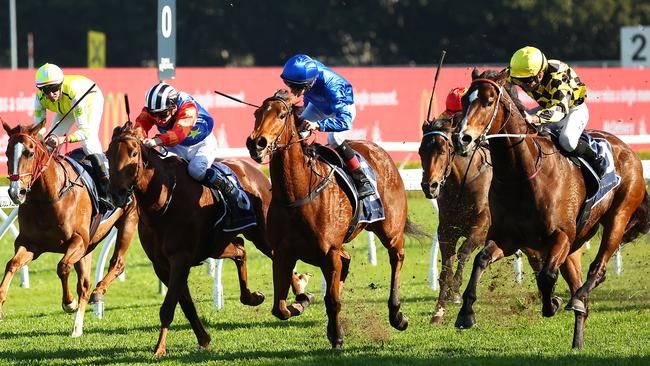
(460, 184)
(315, 231)
(536, 195)
(177, 218)
(55, 216)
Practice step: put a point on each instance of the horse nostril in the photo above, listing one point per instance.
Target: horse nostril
(435, 185)
(261, 143)
(466, 139)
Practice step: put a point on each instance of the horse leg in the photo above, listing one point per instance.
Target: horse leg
(187, 305)
(73, 254)
(235, 250)
(547, 277)
(395, 248)
(282, 277)
(83, 268)
(178, 274)
(464, 253)
(332, 271)
(490, 254)
(571, 271)
(613, 230)
(447, 251)
(126, 228)
(345, 269)
(21, 258)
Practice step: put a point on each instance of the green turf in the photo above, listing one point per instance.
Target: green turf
(510, 329)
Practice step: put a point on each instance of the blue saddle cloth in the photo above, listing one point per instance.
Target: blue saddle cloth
(610, 179)
(243, 215)
(372, 208)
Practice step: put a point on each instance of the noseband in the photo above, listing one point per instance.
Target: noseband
(450, 156)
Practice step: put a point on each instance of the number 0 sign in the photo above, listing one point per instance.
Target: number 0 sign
(635, 46)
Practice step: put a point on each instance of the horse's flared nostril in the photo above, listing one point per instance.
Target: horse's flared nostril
(435, 185)
(466, 139)
(261, 143)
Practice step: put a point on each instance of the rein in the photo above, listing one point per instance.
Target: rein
(38, 168)
(484, 136)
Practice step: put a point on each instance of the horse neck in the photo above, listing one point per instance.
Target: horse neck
(465, 168)
(48, 185)
(512, 154)
(289, 171)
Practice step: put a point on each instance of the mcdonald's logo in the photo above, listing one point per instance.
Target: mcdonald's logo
(114, 115)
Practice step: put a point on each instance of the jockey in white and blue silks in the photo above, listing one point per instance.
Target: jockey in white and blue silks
(185, 129)
(329, 107)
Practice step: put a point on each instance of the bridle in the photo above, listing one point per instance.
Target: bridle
(38, 167)
(450, 156)
(276, 146)
(484, 135)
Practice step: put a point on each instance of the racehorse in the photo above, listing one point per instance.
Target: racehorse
(536, 195)
(460, 185)
(309, 216)
(177, 219)
(55, 216)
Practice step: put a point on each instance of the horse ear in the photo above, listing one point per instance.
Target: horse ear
(425, 126)
(35, 128)
(116, 132)
(475, 73)
(5, 126)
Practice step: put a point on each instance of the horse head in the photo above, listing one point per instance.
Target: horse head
(27, 158)
(275, 126)
(125, 162)
(436, 155)
(488, 106)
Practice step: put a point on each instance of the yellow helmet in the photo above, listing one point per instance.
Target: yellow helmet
(527, 62)
(48, 74)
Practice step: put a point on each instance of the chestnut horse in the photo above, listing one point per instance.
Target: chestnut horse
(55, 216)
(460, 184)
(315, 231)
(177, 218)
(536, 195)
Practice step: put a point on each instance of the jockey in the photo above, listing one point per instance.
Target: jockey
(453, 104)
(561, 97)
(58, 93)
(329, 107)
(185, 129)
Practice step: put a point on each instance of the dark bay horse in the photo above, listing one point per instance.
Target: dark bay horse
(54, 216)
(177, 217)
(315, 231)
(536, 195)
(460, 185)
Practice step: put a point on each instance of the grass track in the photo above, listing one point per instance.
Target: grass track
(510, 329)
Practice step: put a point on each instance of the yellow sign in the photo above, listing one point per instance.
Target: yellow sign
(96, 49)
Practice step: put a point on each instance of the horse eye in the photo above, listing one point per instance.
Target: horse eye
(29, 154)
(282, 115)
(134, 153)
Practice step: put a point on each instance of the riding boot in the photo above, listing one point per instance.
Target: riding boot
(361, 182)
(229, 191)
(596, 161)
(101, 170)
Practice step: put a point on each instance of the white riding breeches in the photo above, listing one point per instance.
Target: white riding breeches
(199, 156)
(571, 127)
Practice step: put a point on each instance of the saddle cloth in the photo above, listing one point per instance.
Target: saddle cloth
(243, 215)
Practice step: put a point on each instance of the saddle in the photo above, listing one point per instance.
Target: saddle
(367, 210)
(89, 177)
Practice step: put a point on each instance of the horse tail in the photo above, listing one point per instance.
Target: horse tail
(413, 229)
(639, 222)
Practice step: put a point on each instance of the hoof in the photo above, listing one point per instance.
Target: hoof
(338, 344)
(465, 321)
(436, 320)
(96, 298)
(71, 307)
(305, 299)
(399, 322)
(556, 303)
(253, 299)
(457, 298)
(576, 305)
(282, 315)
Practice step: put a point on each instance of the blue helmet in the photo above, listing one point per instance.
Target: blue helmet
(299, 70)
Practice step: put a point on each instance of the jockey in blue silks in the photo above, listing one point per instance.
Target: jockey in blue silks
(329, 107)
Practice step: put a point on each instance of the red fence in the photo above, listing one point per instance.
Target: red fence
(391, 102)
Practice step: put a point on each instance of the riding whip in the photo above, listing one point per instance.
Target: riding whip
(435, 80)
(235, 99)
(126, 106)
(68, 112)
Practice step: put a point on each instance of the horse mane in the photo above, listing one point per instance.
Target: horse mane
(441, 125)
(508, 87)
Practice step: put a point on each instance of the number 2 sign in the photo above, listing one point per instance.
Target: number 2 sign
(635, 46)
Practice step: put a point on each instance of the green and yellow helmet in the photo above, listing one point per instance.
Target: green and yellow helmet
(527, 62)
(48, 74)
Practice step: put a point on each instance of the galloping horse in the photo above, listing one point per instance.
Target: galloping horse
(309, 214)
(460, 184)
(177, 218)
(55, 216)
(536, 196)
